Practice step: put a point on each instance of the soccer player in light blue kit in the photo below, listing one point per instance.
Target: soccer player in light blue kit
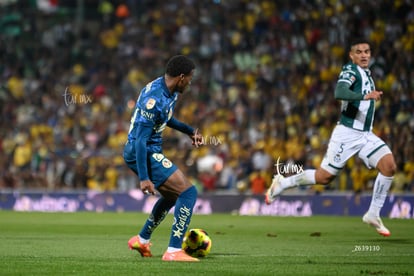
(352, 135)
(143, 154)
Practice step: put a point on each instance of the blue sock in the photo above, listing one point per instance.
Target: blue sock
(158, 213)
(182, 216)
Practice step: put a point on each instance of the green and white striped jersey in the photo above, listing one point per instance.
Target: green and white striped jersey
(357, 114)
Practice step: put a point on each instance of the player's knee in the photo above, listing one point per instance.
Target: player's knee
(323, 177)
(189, 196)
(387, 166)
(389, 169)
(191, 192)
(326, 180)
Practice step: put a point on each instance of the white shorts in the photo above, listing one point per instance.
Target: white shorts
(345, 142)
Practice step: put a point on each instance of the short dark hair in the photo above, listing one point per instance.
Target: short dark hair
(358, 40)
(178, 65)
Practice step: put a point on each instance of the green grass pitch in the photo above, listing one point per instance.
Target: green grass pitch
(96, 244)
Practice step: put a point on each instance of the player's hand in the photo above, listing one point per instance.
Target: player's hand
(374, 95)
(147, 187)
(197, 139)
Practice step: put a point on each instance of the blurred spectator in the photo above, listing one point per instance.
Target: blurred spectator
(258, 183)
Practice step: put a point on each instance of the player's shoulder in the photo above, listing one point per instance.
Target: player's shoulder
(349, 73)
(351, 67)
(153, 88)
(152, 94)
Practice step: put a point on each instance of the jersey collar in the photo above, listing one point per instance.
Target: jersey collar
(165, 89)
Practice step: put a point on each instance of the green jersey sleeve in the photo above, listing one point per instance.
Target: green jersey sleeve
(342, 92)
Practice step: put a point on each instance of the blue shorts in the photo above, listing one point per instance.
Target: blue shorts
(159, 166)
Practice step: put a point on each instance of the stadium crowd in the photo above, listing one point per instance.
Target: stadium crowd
(262, 94)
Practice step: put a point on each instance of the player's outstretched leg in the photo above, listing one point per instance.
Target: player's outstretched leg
(379, 194)
(275, 189)
(143, 248)
(141, 242)
(182, 216)
(178, 256)
(376, 222)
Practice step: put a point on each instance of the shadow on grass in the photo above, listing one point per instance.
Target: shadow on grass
(391, 240)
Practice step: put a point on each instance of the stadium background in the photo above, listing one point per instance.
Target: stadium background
(70, 72)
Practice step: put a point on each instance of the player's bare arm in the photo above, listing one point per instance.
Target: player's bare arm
(147, 187)
(374, 95)
(197, 138)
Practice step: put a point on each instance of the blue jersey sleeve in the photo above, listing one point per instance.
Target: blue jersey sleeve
(143, 133)
(180, 126)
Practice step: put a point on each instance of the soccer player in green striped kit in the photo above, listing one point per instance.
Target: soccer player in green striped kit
(351, 136)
